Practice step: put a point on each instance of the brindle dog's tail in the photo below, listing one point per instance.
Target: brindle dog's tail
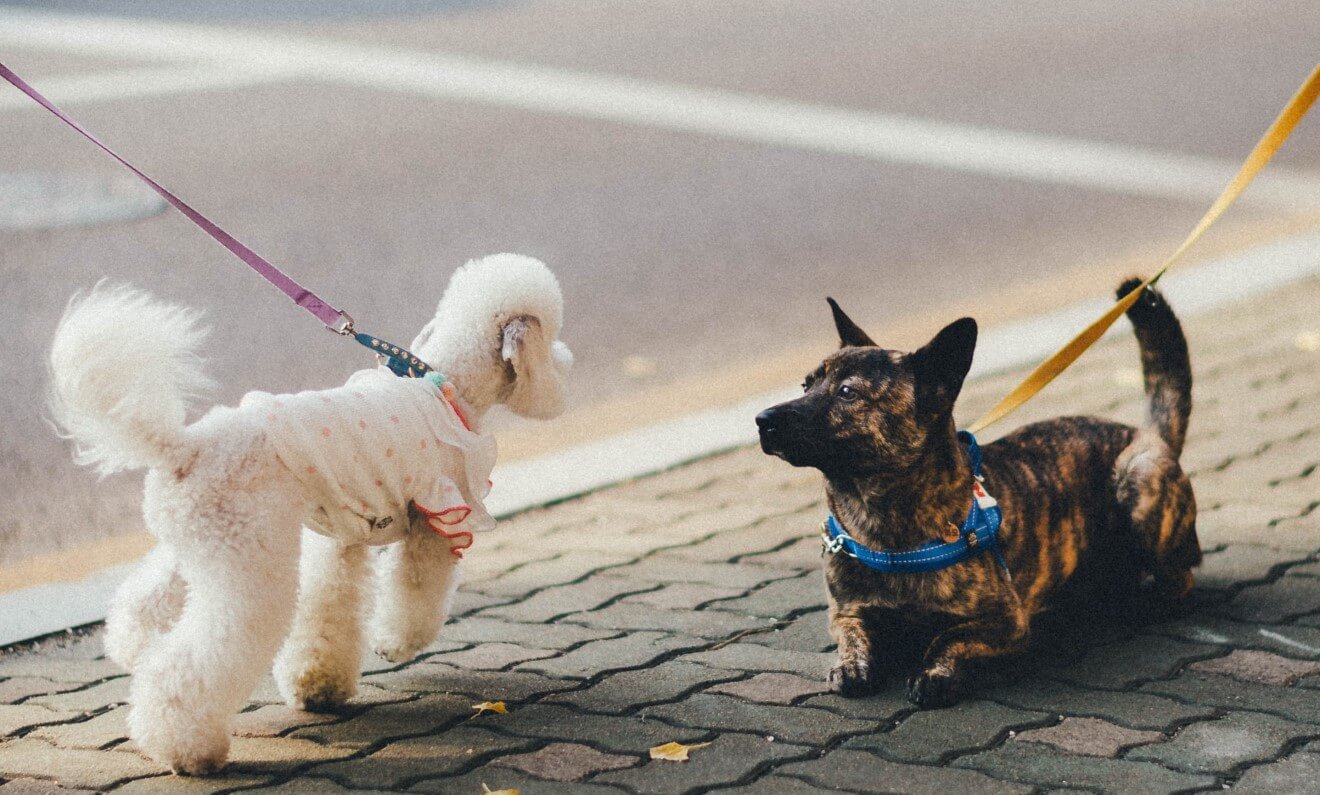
(1164, 364)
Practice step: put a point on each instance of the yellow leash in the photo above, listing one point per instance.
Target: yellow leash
(1269, 144)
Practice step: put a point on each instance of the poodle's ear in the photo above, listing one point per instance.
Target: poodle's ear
(538, 365)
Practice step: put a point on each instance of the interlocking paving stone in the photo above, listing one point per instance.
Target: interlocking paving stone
(73, 767)
(1126, 708)
(16, 717)
(808, 633)
(801, 555)
(1033, 763)
(772, 785)
(699, 623)
(99, 732)
(1294, 703)
(933, 735)
(1217, 745)
(495, 778)
(21, 687)
(628, 690)
(510, 686)
(779, 598)
(1298, 774)
(632, 650)
(1123, 664)
(1238, 563)
(615, 734)
(883, 707)
(114, 691)
(761, 536)
(169, 784)
(405, 762)
(729, 575)
(1283, 599)
(864, 772)
(1292, 640)
(272, 720)
(382, 722)
(480, 629)
(312, 785)
(1258, 666)
(771, 688)
(679, 596)
(1089, 736)
(566, 762)
(34, 786)
(752, 657)
(727, 760)
(801, 725)
(280, 755)
(491, 656)
(555, 570)
(564, 599)
(59, 670)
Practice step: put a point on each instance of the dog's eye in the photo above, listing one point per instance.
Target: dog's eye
(848, 393)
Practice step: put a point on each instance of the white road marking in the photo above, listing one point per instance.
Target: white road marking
(147, 81)
(882, 137)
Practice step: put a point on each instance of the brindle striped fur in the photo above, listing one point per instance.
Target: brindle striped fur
(1086, 501)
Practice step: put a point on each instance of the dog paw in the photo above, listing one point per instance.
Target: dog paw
(852, 679)
(189, 751)
(395, 652)
(932, 689)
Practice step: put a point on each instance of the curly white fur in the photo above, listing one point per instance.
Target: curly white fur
(209, 608)
(123, 369)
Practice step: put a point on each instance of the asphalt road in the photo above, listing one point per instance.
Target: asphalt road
(695, 229)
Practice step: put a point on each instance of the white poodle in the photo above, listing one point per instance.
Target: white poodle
(380, 460)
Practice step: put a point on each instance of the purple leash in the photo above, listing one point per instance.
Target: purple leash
(335, 320)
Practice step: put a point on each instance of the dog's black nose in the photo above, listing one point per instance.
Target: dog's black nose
(768, 421)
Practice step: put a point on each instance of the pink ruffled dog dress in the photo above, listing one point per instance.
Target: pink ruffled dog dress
(369, 449)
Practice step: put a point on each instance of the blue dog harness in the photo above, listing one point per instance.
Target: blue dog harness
(979, 533)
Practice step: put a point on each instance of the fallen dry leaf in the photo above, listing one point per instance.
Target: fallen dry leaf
(675, 752)
(488, 791)
(489, 706)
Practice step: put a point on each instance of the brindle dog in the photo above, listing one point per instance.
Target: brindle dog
(1086, 502)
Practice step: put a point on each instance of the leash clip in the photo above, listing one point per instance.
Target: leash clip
(343, 325)
(831, 546)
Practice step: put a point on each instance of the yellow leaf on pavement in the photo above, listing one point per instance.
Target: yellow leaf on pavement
(675, 752)
(488, 791)
(489, 706)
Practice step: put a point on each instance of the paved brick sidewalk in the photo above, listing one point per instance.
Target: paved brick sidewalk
(689, 606)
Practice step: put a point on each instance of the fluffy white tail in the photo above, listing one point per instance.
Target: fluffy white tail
(124, 366)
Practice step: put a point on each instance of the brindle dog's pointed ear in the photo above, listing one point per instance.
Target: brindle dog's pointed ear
(942, 365)
(849, 332)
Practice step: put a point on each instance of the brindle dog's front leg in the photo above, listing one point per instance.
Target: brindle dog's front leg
(853, 675)
(954, 651)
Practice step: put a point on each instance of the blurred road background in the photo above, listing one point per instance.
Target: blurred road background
(699, 174)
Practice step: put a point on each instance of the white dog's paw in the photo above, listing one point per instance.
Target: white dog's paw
(317, 689)
(396, 650)
(188, 749)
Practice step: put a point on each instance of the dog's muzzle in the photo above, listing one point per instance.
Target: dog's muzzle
(770, 423)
